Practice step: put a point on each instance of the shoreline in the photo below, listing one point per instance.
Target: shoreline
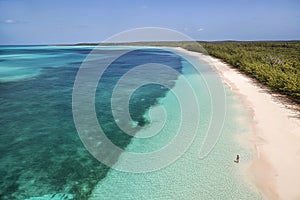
(188, 177)
(275, 171)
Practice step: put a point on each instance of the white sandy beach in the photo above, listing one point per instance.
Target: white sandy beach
(276, 135)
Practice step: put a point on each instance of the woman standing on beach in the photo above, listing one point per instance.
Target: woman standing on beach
(237, 160)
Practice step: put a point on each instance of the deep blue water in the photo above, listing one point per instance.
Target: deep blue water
(41, 152)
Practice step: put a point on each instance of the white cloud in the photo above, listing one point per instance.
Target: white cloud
(200, 29)
(9, 21)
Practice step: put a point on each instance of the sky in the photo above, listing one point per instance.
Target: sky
(72, 21)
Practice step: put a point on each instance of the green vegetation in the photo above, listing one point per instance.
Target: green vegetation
(275, 64)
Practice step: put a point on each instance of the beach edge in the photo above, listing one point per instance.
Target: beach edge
(276, 133)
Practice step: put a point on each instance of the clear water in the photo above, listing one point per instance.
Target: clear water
(42, 156)
(214, 177)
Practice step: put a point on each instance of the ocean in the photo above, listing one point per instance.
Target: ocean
(47, 154)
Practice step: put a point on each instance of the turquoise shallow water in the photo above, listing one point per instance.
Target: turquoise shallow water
(42, 156)
(214, 177)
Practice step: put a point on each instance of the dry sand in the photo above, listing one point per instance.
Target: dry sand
(276, 136)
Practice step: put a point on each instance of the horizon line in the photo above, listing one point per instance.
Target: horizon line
(121, 43)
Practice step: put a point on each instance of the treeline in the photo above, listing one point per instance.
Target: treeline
(275, 64)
